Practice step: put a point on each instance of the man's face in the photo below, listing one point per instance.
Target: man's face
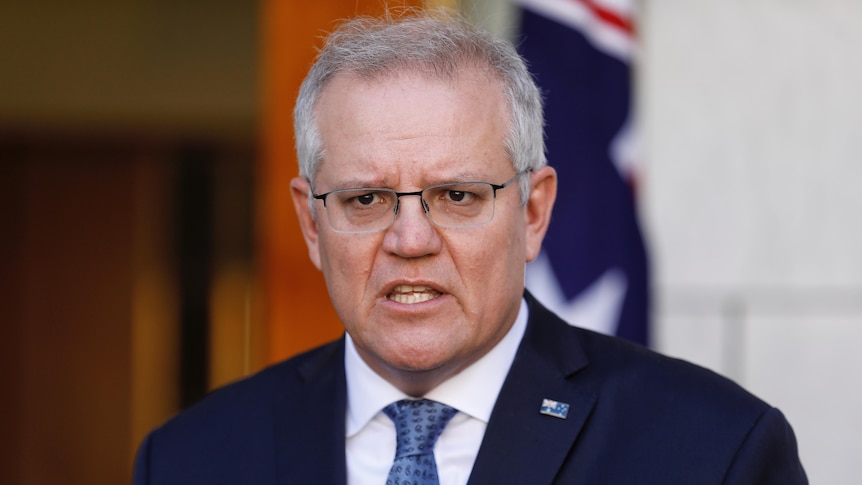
(406, 132)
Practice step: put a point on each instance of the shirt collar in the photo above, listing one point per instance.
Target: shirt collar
(473, 391)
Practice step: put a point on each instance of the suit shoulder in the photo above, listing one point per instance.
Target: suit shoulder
(680, 411)
(229, 436)
(252, 396)
(668, 391)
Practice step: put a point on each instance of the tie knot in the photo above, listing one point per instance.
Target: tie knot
(418, 424)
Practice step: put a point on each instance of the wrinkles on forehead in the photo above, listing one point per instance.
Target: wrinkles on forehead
(470, 82)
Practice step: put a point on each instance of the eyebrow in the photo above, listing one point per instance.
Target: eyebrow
(357, 183)
(362, 183)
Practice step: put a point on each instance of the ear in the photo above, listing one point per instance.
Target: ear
(543, 193)
(300, 189)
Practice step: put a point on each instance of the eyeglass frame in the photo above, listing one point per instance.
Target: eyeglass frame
(425, 208)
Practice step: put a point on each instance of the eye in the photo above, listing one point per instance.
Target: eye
(460, 196)
(367, 199)
(457, 195)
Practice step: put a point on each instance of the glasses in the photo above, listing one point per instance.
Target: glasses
(459, 204)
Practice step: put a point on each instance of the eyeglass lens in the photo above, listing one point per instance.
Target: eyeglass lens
(448, 205)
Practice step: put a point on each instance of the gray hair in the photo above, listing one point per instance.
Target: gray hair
(437, 44)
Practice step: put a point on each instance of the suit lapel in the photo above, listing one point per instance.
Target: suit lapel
(521, 445)
(309, 421)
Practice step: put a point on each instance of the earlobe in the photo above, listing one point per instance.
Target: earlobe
(299, 189)
(543, 193)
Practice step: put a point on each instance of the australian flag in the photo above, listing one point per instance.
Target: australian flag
(593, 266)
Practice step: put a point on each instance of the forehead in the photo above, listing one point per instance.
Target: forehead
(407, 120)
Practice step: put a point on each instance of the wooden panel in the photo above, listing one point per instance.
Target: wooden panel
(155, 326)
(89, 323)
(12, 219)
(72, 263)
(237, 343)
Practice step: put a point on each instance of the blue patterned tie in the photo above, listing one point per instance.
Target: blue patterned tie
(418, 424)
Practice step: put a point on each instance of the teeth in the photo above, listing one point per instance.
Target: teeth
(409, 295)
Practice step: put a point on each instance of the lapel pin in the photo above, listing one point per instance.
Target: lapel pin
(554, 408)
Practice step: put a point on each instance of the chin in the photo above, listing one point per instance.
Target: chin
(419, 359)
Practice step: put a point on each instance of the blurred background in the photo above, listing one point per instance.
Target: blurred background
(148, 250)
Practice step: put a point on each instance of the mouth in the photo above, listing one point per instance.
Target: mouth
(411, 295)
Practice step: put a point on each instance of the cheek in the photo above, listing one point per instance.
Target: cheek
(491, 261)
(346, 261)
(511, 258)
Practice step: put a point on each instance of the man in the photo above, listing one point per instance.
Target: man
(423, 192)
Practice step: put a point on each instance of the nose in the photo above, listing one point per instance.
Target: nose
(412, 235)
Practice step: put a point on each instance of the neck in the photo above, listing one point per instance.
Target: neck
(413, 382)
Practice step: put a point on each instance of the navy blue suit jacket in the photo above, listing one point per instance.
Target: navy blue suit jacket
(635, 417)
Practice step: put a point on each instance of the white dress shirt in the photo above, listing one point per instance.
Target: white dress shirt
(370, 436)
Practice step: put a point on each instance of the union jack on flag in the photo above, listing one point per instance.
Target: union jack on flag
(593, 267)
